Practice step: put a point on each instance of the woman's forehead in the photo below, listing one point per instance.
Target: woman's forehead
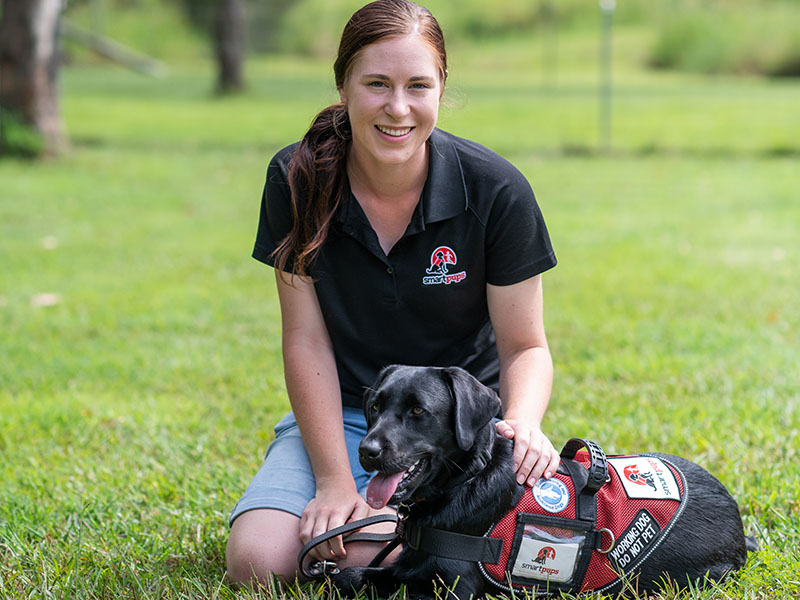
(410, 54)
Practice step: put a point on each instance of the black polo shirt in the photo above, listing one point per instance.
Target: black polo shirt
(477, 222)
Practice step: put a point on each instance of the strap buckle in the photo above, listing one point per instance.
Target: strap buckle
(323, 568)
(406, 530)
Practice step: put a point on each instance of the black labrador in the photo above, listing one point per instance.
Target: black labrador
(437, 454)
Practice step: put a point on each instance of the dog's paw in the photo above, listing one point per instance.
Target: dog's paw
(350, 580)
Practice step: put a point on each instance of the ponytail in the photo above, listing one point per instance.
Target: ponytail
(317, 175)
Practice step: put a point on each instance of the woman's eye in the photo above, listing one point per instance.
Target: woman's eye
(376, 84)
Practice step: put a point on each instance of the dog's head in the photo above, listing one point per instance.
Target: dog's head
(421, 422)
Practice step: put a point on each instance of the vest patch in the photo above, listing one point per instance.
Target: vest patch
(635, 541)
(547, 561)
(646, 477)
(551, 494)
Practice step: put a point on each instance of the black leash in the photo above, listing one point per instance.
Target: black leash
(323, 568)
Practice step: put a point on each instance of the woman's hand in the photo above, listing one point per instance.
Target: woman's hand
(534, 454)
(335, 504)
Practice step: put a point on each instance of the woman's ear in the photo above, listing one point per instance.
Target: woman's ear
(342, 96)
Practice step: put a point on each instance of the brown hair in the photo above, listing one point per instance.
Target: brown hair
(317, 170)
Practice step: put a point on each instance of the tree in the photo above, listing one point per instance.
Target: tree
(229, 44)
(29, 63)
(226, 22)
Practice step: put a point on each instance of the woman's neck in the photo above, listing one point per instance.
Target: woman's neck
(388, 182)
(388, 195)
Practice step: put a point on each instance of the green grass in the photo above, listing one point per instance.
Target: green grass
(134, 410)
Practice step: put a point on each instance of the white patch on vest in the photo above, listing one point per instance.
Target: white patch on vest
(551, 494)
(646, 477)
(546, 561)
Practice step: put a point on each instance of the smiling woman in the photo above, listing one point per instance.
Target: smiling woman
(363, 220)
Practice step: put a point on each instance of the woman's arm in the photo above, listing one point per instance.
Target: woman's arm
(526, 374)
(313, 386)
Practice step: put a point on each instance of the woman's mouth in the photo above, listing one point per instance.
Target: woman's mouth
(394, 131)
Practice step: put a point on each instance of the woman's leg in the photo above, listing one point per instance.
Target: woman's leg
(263, 542)
(266, 542)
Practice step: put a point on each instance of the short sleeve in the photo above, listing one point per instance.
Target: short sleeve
(275, 220)
(517, 242)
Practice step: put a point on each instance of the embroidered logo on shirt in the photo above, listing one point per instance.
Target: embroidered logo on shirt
(439, 271)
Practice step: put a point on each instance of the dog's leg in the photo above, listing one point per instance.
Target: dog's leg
(351, 580)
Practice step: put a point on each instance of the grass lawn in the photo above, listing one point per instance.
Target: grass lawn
(140, 370)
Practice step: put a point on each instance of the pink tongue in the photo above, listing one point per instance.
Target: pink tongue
(381, 487)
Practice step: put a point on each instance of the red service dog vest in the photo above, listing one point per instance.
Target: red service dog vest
(563, 536)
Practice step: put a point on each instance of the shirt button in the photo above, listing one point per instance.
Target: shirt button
(389, 270)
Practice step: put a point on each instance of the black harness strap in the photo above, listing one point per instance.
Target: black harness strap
(449, 544)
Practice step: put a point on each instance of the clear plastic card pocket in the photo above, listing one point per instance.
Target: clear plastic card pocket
(549, 549)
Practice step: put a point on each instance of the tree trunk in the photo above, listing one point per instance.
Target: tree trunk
(29, 61)
(229, 44)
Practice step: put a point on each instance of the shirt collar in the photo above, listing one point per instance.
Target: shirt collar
(444, 195)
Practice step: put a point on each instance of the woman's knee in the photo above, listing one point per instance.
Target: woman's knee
(261, 544)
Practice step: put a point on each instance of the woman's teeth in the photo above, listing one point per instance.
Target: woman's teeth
(393, 132)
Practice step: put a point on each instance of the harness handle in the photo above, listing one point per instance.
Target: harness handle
(323, 568)
(598, 466)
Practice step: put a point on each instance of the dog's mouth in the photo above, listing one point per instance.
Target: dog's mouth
(385, 487)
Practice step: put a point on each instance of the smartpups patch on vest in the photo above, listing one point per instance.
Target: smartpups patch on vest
(569, 534)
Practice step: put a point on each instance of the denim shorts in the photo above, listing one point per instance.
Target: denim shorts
(285, 480)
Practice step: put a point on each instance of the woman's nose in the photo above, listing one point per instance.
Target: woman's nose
(397, 105)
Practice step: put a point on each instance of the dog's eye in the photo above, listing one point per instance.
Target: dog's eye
(417, 410)
(373, 408)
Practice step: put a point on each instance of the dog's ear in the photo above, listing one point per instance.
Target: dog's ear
(369, 393)
(475, 405)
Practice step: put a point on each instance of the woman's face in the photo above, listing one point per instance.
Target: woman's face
(392, 96)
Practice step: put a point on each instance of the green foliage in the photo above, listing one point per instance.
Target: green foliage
(17, 138)
(158, 28)
(314, 26)
(743, 38)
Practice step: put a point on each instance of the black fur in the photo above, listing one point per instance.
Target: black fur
(443, 417)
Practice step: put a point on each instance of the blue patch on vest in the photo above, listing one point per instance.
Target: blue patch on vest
(551, 494)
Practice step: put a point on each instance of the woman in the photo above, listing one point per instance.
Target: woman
(393, 242)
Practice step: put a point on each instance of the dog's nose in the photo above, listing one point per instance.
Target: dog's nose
(369, 451)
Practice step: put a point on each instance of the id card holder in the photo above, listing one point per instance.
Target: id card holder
(550, 552)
